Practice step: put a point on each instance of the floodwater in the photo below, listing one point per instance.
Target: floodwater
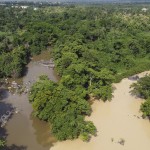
(117, 120)
(23, 131)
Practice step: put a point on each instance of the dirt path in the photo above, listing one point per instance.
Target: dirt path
(114, 120)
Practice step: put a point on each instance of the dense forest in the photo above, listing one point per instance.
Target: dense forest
(142, 89)
(92, 46)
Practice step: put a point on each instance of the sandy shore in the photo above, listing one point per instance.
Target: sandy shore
(117, 119)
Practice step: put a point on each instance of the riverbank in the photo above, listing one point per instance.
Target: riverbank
(117, 120)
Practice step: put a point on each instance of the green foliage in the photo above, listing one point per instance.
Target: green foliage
(145, 108)
(80, 35)
(100, 84)
(2, 143)
(11, 63)
(93, 46)
(142, 89)
(63, 108)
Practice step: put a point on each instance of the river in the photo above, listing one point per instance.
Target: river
(23, 131)
(117, 120)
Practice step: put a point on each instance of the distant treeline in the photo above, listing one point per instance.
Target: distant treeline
(35, 3)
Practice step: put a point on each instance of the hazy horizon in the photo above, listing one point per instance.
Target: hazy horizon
(81, 0)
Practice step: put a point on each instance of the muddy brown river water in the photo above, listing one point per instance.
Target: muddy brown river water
(24, 131)
(115, 120)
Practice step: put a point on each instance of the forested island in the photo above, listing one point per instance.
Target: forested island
(92, 47)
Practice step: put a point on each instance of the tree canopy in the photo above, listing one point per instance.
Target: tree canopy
(142, 89)
(63, 108)
(92, 47)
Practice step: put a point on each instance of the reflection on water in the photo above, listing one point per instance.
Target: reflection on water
(25, 132)
(42, 132)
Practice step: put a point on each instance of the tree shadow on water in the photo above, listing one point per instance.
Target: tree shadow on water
(24, 71)
(4, 107)
(42, 132)
(3, 94)
(3, 135)
(15, 147)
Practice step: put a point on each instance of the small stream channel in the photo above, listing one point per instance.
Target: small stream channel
(23, 131)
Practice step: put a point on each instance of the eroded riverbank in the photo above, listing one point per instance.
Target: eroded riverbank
(115, 120)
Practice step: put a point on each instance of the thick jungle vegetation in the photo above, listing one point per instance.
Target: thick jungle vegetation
(2, 143)
(92, 46)
(142, 89)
